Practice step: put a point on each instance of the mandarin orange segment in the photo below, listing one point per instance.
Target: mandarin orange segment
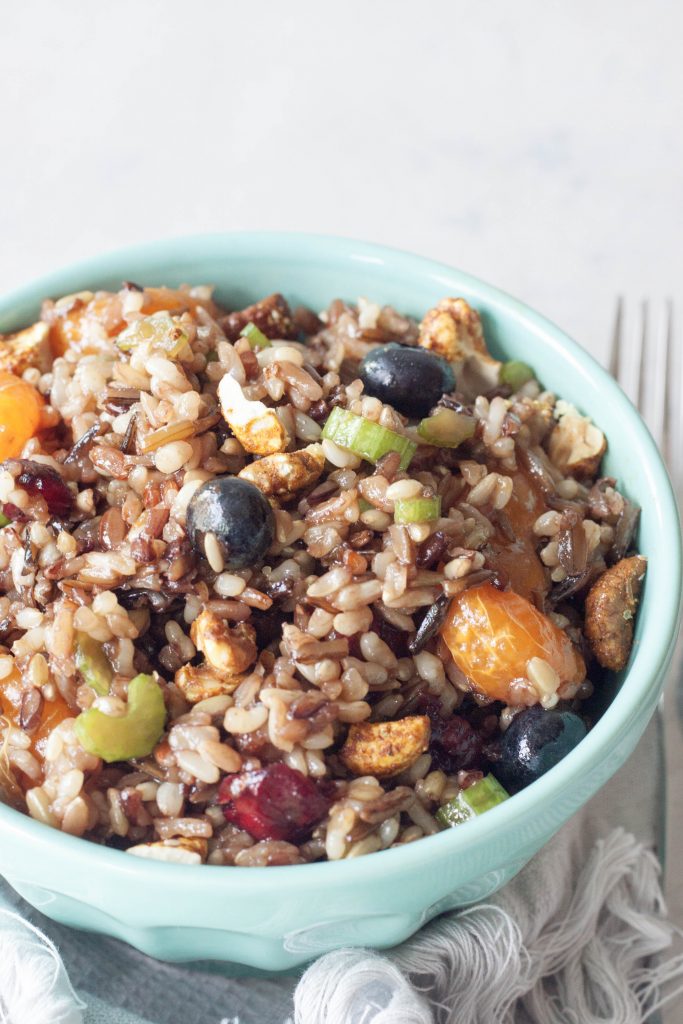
(52, 711)
(519, 559)
(492, 634)
(69, 325)
(170, 300)
(21, 409)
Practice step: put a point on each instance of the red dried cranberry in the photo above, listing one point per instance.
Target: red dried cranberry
(14, 513)
(276, 802)
(43, 481)
(455, 744)
(396, 639)
(354, 642)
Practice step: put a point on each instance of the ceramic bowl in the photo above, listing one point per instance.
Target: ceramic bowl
(276, 918)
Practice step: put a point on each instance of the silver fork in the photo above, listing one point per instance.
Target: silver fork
(649, 367)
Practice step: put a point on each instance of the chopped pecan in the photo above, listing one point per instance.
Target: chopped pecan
(200, 682)
(30, 347)
(271, 315)
(286, 472)
(610, 610)
(384, 749)
(576, 445)
(255, 426)
(226, 650)
(452, 329)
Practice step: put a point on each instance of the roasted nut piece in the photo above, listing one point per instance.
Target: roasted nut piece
(255, 426)
(271, 315)
(27, 348)
(610, 610)
(452, 329)
(227, 650)
(384, 749)
(185, 850)
(286, 472)
(199, 682)
(576, 445)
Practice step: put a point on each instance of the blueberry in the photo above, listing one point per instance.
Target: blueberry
(239, 517)
(411, 379)
(534, 742)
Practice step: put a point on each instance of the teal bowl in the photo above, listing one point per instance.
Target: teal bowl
(277, 918)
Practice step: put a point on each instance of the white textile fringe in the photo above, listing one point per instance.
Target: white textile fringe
(543, 951)
(34, 987)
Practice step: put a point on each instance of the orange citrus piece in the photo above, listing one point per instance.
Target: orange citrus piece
(172, 301)
(519, 559)
(52, 712)
(20, 414)
(69, 325)
(492, 634)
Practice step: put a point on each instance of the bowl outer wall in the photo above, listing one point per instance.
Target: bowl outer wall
(401, 883)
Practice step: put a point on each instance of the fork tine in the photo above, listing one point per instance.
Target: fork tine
(615, 348)
(642, 378)
(673, 414)
(630, 353)
(654, 374)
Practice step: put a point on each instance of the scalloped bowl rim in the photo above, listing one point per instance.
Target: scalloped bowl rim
(643, 675)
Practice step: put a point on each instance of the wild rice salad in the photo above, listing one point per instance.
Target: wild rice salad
(280, 587)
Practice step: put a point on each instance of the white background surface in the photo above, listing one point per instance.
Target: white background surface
(537, 144)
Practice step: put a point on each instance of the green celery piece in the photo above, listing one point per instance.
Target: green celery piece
(447, 428)
(93, 664)
(4, 521)
(133, 734)
(515, 373)
(254, 336)
(159, 328)
(365, 438)
(417, 510)
(364, 505)
(471, 802)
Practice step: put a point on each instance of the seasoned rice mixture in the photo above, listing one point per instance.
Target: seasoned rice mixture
(278, 586)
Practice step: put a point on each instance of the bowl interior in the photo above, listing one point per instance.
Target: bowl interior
(312, 270)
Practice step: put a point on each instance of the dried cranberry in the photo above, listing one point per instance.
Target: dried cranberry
(43, 481)
(353, 640)
(276, 802)
(455, 744)
(396, 639)
(14, 513)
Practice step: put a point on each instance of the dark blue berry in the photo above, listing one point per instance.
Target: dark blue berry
(412, 380)
(534, 743)
(239, 517)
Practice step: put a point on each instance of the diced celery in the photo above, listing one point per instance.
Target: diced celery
(160, 329)
(515, 373)
(131, 735)
(93, 664)
(4, 521)
(417, 510)
(365, 438)
(364, 506)
(471, 802)
(254, 336)
(447, 428)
